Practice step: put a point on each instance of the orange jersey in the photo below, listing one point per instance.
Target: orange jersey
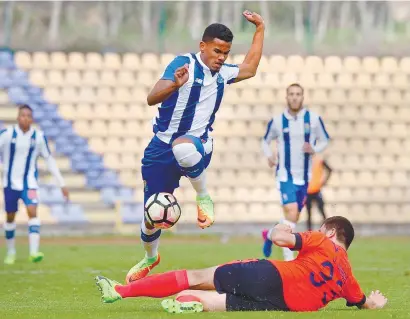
(315, 183)
(321, 273)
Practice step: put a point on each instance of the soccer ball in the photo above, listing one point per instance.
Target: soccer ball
(162, 210)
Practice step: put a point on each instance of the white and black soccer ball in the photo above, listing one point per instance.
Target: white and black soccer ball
(162, 210)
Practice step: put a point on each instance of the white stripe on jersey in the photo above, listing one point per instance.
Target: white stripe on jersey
(191, 110)
(290, 150)
(17, 148)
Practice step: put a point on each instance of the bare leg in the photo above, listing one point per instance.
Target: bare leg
(201, 279)
(211, 300)
(291, 218)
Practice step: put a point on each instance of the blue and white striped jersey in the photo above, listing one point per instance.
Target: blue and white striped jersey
(20, 152)
(191, 110)
(291, 133)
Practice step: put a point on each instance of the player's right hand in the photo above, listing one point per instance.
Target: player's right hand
(66, 193)
(181, 75)
(283, 227)
(378, 299)
(272, 161)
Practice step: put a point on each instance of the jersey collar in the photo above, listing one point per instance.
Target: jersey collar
(203, 65)
(301, 114)
(19, 131)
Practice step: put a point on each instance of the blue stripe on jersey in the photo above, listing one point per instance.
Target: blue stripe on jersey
(165, 113)
(193, 99)
(168, 106)
(268, 129)
(323, 127)
(46, 142)
(28, 160)
(286, 139)
(307, 128)
(231, 66)
(219, 95)
(11, 156)
(3, 130)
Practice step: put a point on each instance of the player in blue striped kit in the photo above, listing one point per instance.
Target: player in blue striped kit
(20, 146)
(190, 92)
(299, 134)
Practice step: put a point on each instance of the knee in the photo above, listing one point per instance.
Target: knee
(32, 213)
(10, 217)
(291, 213)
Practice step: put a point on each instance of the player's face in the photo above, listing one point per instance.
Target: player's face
(294, 97)
(25, 119)
(215, 53)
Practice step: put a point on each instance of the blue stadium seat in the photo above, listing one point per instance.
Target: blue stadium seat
(108, 195)
(132, 213)
(18, 95)
(5, 80)
(6, 60)
(19, 78)
(68, 213)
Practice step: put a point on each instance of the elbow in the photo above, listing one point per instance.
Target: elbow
(252, 73)
(150, 100)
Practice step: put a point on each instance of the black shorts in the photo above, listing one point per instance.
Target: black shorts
(253, 285)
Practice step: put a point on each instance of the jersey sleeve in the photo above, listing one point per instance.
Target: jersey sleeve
(173, 66)
(3, 136)
(308, 240)
(353, 293)
(230, 72)
(44, 148)
(322, 136)
(270, 135)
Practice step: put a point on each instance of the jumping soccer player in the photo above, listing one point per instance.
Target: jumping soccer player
(190, 92)
(300, 133)
(20, 146)
(321, 273)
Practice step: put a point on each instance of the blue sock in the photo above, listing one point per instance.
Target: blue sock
(9, 233)
(267, 248)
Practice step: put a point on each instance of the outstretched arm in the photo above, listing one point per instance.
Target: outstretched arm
(52, 166)
(249, 66)
(267, 139)
(376, 300)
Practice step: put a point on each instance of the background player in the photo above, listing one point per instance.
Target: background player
(190, 92)
(321, 273)
(321, 172)
(20, 146)
(299, 134)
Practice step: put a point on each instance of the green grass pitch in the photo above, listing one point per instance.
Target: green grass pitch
(62, 286)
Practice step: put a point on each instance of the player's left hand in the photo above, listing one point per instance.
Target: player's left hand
(307, 148)
(66, 193)
(378, 299)
(253, 17)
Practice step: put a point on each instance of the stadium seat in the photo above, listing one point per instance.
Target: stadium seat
(389, 65)
(76, 61)
(111, 61)
(295, 63)
(40, 60)
(333, 64)
(23, 60)
(58, 61)
(352, 65)
(90, 78)
(370, 65)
